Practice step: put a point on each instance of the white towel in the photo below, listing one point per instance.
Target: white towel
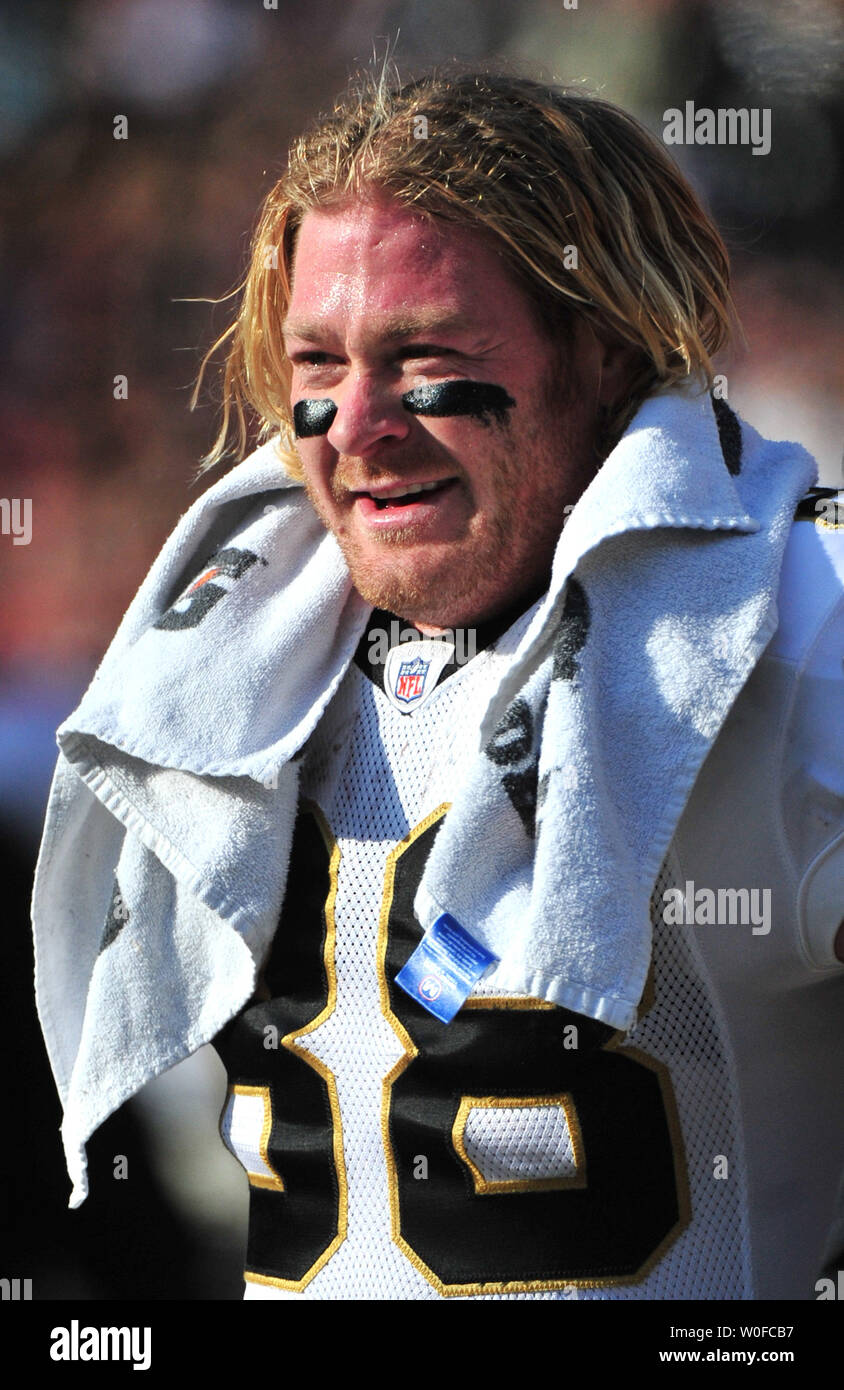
(164, 859)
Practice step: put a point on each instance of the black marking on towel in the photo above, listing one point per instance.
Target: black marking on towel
(729, 433)
(202, 593)
(511, 748)
(572, 632)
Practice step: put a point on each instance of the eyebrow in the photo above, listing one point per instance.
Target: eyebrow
(401, 326)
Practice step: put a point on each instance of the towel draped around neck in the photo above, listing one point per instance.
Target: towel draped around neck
(164, 861)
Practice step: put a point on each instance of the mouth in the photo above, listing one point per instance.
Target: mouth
(403, 497)
(406, 495)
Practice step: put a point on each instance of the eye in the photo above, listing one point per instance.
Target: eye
(310, 358)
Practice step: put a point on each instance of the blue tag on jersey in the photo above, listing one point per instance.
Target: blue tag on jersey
(444, 967)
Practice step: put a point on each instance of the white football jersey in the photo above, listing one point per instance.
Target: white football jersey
(523, 1151)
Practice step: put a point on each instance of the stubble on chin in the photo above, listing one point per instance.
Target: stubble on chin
(445, 589)
(382, 587)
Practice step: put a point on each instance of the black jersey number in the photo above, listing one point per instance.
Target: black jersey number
(607, 1223)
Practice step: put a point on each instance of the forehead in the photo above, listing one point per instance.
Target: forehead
(378, 266)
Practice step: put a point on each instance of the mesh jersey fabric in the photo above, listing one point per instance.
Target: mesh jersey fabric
(377, 774)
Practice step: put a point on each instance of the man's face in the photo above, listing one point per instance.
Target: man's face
(439, 437)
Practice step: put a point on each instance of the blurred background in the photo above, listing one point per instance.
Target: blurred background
(102, 242)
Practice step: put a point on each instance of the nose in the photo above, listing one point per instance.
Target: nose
(368, 415)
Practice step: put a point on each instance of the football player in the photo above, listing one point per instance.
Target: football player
(469, 767)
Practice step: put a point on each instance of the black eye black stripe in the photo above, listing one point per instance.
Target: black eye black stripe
(482, 400)
(313, 417)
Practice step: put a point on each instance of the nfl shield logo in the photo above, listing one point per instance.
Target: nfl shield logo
(410, 681)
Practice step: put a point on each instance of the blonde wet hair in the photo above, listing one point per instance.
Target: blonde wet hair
(540, 168)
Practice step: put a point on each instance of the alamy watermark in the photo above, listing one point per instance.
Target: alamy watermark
(831, 1288)
(829, 511)
(691, 907)
(77, 1343)
(463, 640)
(16, 519)
(725, 126)
(15, 1290)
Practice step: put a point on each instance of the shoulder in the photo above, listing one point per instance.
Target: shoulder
(811, 591)
(809, 642)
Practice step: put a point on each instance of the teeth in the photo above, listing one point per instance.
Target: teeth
(406, 491)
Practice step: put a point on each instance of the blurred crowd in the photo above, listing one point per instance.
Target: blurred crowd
(111, 250)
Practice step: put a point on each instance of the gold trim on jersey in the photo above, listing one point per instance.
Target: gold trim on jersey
(289, 1041)
(484, 1186)
(271, 1180)
(505, 1001)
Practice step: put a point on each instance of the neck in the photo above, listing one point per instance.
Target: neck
(492, 625)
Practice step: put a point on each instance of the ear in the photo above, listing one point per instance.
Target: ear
(615, 363)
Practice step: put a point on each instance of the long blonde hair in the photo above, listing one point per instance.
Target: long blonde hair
(544, 170)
